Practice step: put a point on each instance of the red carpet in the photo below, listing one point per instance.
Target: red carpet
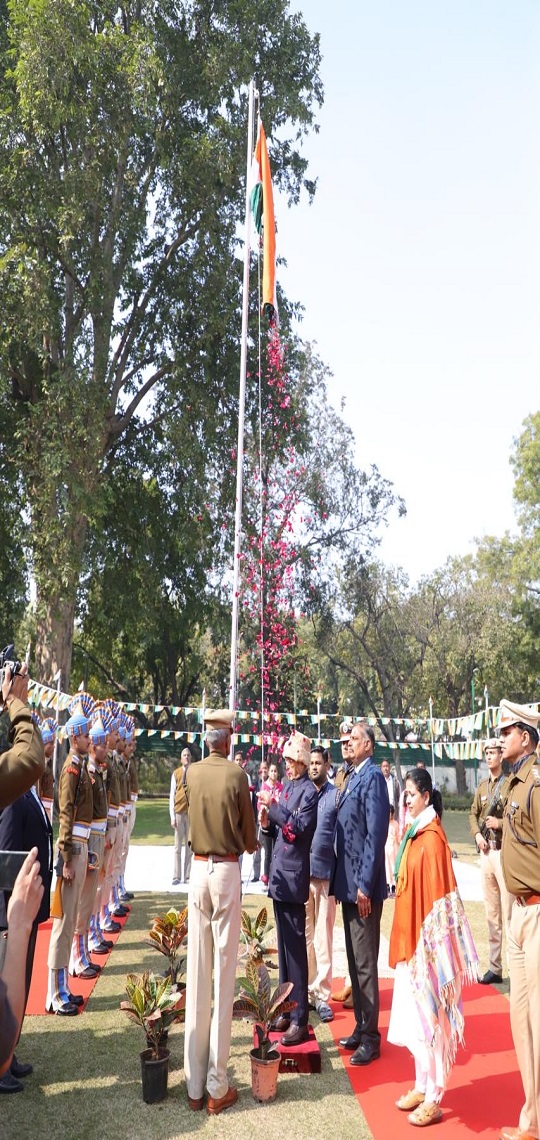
(38, 988)
(485, 1090)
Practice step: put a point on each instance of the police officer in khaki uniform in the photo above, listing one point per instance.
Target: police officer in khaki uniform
(485, 821)
(80, 964)
(221, 828)
(45, 784)
(75, 809)
(520, 858)
(178, 811)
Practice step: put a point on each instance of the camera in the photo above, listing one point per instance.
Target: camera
(8, 660)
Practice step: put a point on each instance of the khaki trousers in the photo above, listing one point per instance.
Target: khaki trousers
(320, 918)
(89, 891)
(498, 904)
(126, 833)
(64, 928)
(213, 940)
(105, 884)
(181, 834)
(524, 955)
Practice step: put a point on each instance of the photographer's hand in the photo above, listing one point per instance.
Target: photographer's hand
(26, 895)
(22, 910)
(16, 686)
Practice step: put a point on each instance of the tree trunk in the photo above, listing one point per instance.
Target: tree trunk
(461, 782)
(55, 610)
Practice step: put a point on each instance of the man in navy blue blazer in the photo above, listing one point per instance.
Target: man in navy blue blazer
(292, 821)
(359, 883)
(23, 825)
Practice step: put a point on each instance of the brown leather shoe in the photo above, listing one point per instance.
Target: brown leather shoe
(515, 1134)
(342, 995)
(280, 1024)
(295, 1034)
(348, 1003)
(215, 1105)
(195, 1102)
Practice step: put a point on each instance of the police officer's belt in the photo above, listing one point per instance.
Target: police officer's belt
(219, 858)
(531, 900)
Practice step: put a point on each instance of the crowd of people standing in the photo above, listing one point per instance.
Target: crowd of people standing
(325, 837)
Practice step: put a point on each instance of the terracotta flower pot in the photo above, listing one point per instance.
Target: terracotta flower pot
(264, 1075)
(155, 1074)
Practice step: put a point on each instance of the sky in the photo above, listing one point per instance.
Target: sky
(418, 264)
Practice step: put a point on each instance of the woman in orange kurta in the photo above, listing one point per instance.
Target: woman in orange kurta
(431, 950)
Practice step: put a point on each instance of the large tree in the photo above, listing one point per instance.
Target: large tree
(122, 154)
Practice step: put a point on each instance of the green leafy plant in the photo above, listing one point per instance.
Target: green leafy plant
(168, 934)
(253, 932)
(152, 1005)
(257, 1002)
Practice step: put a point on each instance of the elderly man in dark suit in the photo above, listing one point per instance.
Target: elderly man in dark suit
(359, 883)
(292, 821)
(24, 825)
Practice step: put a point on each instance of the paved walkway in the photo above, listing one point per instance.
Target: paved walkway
(151, 868)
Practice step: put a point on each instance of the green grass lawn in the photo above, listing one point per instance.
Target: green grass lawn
(153, 824)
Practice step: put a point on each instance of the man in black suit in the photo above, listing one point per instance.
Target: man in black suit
(23, 825)
(359, 883)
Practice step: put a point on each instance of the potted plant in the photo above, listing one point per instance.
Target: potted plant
(253, 932)
(168, 934)
(153, 1005)
(258, 1003)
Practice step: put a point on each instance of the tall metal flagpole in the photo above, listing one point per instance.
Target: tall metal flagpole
(432, 741)
(241, 408)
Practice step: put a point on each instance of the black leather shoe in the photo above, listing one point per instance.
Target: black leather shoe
(76, 999)
(107, 943)
(295, 1034)
(126, 896)
(18, 1069)
(88, 973)
(112, 927)
(489, 978)
(365, 1053)
(120, 911)
(100, 949)
(351, 1042)
(9, 1084)
(68, 1009)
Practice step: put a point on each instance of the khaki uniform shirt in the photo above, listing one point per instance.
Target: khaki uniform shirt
(520, 854)
(46, 782)
(133, 778)
(68, 811)
(99, 795)
(123, 783)
(180, 795)
(113, 780)
(342, 777)
(482, 799)
(220, 813)
(24, 762)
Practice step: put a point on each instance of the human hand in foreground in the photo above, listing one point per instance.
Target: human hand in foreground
(26, 895)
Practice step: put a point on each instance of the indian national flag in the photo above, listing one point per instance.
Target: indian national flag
(262, 204)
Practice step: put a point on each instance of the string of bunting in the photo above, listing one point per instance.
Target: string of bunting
(482, 721)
